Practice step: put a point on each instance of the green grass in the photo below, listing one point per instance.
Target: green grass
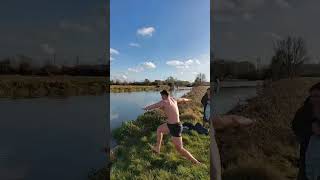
(133, 158)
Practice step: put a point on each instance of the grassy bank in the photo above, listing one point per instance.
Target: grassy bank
(135, 88)
(16, 86)
(133, 158)
(37, 86)
(270, 143)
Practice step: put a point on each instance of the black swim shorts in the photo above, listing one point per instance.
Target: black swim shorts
(175, 129)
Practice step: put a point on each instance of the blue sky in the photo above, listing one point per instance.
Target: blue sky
(156, 39)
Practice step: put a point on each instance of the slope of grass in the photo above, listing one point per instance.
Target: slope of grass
(16, 86)
(271, 141)
(135, 160)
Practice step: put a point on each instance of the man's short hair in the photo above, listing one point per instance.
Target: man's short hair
(315, 87)
(164, 92)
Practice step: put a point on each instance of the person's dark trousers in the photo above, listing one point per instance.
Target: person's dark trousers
(302, 163)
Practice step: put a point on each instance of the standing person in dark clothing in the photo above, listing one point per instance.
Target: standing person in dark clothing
(302, 125)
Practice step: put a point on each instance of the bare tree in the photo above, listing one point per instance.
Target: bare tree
(291, 53)
(200, 78)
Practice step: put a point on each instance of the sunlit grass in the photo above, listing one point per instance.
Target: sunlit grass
(135, 160)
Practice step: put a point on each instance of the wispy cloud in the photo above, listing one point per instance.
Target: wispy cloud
(136, 69)
(149, 65)
(183, 64)
(120, 77)
(142, 67)
(273, 35)
(174, 63)
(112, 53)
(47, 49)
(146, 31)
(134, 45)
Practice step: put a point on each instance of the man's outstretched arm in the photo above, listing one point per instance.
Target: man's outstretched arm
(231, 121)
(183, 100)
(153, 106)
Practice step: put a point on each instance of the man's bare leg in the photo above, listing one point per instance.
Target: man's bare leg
(162, 129)
(177, 141)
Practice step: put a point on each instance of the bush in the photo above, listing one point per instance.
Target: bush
(126, 131)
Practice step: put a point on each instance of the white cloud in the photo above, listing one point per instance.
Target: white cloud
(124, 77)
(189, 62)
(174, 63)
(149, 65)
(183, 64)
(143, 66)
(134, 45)
(136, 69)
(187, 69)
(119, 76)
(114, 51)
(146, 31)
(47, 49)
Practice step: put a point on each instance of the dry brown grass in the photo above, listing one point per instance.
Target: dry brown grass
(271, 140)
(38, 86)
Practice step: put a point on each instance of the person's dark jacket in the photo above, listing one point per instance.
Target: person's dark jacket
(302, 122)
(302, 128)
(204, 101)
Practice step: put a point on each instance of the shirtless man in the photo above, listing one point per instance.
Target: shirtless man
(173, 126)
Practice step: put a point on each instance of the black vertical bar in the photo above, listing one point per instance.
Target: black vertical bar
(108, 131)
(211, 76)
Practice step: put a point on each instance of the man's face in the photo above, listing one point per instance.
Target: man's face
(315, 97)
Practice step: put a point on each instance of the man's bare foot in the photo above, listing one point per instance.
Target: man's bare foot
(197, 163)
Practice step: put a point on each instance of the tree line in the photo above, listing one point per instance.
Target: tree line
(25, 67)
(171, 81)
(289, 60)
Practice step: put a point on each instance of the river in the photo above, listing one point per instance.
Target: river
(50, 138)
